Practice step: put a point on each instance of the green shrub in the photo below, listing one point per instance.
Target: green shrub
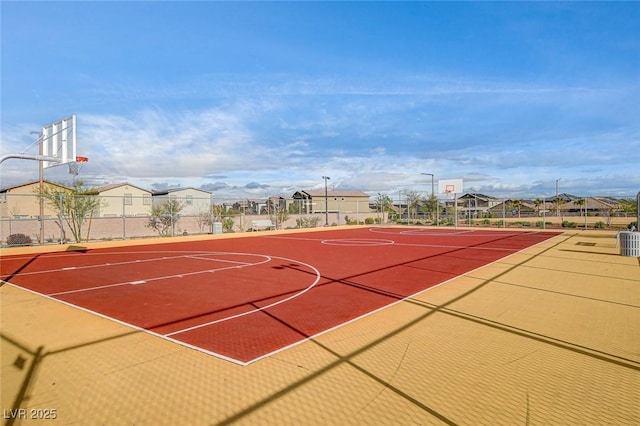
(599, 225)
(227, 224)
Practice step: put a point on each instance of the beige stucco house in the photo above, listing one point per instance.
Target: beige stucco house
(194, 201)
(123, 199)
(22, 201)
(344, 202)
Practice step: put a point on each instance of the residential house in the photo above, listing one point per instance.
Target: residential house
(22, 201)
(194, 201)
(591, 206)
(475, 204)
(123, 199)
(346, 202)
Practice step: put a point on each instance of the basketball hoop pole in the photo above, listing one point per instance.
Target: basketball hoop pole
(41, 187)
(638, 212)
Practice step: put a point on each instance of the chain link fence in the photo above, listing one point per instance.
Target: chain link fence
(74, 218)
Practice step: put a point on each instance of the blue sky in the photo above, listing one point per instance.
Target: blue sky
(252, 99)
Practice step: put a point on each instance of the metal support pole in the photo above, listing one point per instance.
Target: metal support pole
(638, 212)
(326, 201)
(124, 220)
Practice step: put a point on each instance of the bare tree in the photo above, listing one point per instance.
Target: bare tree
(165, 216)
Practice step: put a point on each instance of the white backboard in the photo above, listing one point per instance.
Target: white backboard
(450, 186)
(59, 141)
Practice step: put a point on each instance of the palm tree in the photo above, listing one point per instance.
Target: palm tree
(580, 203)
(517, 204)
(557, 202)
(537, 203)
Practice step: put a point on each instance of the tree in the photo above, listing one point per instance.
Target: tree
(227, 224)
(277, 212)
(75, 206)
(384, 203)
(432, 205)
(217, 212)
(164, 217)
(580, 203)
(203, 218)
(628, 206)
(517, 204)
(413, 200)
(537, 203)
(557, 202)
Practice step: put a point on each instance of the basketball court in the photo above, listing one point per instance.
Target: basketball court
(353, 325)
(341, 326)
(244, 299)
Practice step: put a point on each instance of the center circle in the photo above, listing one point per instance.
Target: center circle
(358, 242)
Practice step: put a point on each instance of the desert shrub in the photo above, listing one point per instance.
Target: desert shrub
(307, 222)
(567, 224)
(599, 225)
(19, 240)
(542, 224)
(369, 221)
(521, 223)
(227, 224)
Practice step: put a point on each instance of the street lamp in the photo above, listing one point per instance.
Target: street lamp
(557, 200)
(326, 201)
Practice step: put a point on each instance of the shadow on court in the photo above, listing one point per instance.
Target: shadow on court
(28, 359)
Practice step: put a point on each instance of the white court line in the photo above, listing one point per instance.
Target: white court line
(226, 261)
(318, 276)
(447, 233)
(102, 265)
(399, 244)
(158, 278)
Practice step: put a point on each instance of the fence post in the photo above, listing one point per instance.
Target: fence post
(61, 216)
(124, 218)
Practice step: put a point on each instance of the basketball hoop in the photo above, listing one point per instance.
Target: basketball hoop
(75, 166)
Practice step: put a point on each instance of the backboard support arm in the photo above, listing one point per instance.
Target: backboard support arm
(30, 157)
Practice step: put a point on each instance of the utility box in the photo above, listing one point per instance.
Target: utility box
(217, 227)
(629, 243)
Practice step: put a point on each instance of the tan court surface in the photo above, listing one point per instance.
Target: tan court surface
(549, 336)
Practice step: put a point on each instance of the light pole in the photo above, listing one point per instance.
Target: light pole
(432, 193)
(557, 200)
(326, 201)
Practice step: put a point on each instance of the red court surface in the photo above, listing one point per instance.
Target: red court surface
(242, 299)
